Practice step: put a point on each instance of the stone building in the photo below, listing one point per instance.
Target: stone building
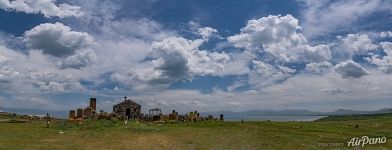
(127, 108)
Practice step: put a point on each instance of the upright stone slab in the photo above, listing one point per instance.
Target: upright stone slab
(71, 114)
(79, 113)
(93, 103)
(88, 113)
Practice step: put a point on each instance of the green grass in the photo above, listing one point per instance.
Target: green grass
(105, 134)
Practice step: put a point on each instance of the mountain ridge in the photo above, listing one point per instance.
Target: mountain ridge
(298, 112)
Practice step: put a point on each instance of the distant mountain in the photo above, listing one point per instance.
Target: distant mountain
(296, 112)
(354, 112)
(266, 113)
(348, 112)
(384, 111)
(293, 112)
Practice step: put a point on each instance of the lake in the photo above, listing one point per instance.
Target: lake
(273, 118)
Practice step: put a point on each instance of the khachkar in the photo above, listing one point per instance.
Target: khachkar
(79, 113)
(93, 104)
(87, 113)
(72, 114)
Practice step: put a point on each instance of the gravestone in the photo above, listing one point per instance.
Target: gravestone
(88, 113)
(79, 113)
(71, 114)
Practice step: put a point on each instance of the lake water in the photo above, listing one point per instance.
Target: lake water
(273, 118)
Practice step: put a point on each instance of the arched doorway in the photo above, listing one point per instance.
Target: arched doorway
(128, 112)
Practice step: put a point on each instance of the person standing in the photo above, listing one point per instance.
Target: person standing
(47, 120)
(126, 120)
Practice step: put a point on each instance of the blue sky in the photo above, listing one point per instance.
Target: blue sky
(203, 55)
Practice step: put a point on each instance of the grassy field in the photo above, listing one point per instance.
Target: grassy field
(106, 134)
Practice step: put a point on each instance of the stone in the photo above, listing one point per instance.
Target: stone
(221, 118)
(71, 114)
(93, 103)
(79, 113)
(88, 113)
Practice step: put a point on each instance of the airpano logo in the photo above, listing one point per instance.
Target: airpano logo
(366, 140)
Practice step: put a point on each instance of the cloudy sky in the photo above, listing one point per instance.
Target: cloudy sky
(197, 54)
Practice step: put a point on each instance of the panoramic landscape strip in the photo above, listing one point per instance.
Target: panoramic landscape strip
(196, 74)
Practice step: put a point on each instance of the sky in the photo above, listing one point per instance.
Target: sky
(205, 55)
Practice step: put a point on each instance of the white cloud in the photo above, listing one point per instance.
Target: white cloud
(262, 68)
(278, 36)
(319, 68)
(387, 46)
(127, 28)
(356, 43)
(48, 8)
(383, 62)
(140, 57)
(33, 74)
(323, 17)
(56, 39)
(350, 45)
(73, 49)
(329, 88)
(350, 69)
(305, 89)
(386, 34)
(79, 60)
(263, 74)
(179, 58)
(206, 32)
(268, 30)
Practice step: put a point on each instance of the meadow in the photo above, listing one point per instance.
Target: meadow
(326, 133)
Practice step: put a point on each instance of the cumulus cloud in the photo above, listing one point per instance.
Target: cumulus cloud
(48, 8)
(52, 81)
(56, 39)
(179, 58)
(263, 74)
(72, 48)
(350, 69)
(386, 34)
(383, 62)
(142, 58)
(323, 17)
(356, 43)
(346, 47)
(262, 68)
(278, 36)
(387, 46)
(206, 32)
(35, 72)
(317, 89)
(79, 60)
(267, 30)
(318, 68)
(7, 59)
